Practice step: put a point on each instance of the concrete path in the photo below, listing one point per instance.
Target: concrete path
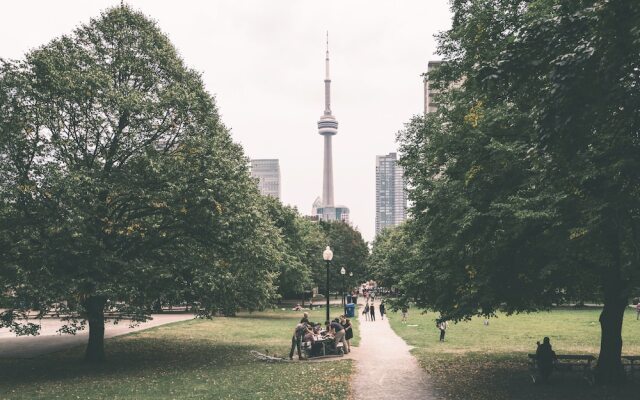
(49, 341)
(384, 367)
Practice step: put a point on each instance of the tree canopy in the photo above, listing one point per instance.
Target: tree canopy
(525, 191)
(119, 184)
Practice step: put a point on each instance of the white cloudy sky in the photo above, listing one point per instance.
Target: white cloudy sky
(264, 61)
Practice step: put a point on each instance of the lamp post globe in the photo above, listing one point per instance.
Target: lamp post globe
(327, 255)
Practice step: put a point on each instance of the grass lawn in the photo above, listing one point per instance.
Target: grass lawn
(490, 362)
(186, 360)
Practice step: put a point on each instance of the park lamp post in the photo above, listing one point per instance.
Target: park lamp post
(327, 255)
(342, 272)
(351, 280)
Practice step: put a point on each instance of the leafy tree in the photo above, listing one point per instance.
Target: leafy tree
(302, 242)
(526, 191)
(349, 251)
(119, 184)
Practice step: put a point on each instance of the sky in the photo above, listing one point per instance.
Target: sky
(263, 60)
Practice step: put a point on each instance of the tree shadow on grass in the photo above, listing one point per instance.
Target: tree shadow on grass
(126, 358)
(481, 376)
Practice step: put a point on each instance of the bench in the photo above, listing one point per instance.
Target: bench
(631, 364)
(569, 363)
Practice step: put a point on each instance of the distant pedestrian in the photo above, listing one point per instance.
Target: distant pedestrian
(311, 304)
(443, 325)
(638, 310)
(382, 310)
(405, 312)
(365, 312)
(372, 311)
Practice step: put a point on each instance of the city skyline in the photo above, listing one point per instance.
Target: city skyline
(262, 62)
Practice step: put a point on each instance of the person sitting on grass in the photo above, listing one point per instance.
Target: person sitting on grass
(545, 357)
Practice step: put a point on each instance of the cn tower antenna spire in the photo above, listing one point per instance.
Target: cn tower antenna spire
(327, 127)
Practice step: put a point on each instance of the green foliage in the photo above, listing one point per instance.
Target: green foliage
(302, 247)
(119, 181)
(349, 251)
(525, 184)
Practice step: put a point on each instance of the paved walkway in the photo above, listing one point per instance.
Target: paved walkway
(49, 341)
(384, 367)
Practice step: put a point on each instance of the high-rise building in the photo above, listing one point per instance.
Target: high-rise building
(429, 103)
(391, 192)
(328, 127)
(268, 174)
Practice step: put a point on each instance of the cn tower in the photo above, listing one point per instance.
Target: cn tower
(327, 127)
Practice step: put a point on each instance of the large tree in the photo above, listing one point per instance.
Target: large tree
(526, 189)
(302, 243)
(119, 184)
(349, 251)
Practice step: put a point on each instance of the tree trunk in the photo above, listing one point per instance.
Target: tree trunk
(609, 369)
(94, 305)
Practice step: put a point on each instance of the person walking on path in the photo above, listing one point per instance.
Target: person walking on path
(382, 310)
(365, 312)
(372, 311)
(443, 325)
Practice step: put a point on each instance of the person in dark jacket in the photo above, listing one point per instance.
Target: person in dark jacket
(296, 340)
(372, 312)
(348, 329)
(545, 357)
(382, 309)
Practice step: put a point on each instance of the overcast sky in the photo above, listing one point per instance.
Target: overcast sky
(264, 62)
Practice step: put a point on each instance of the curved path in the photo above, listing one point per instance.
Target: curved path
(50, 341)
(384, 367)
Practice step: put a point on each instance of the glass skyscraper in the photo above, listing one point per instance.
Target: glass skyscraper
(268, 174)
(391, 193)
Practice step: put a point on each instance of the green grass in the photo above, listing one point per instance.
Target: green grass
(490, 362)
(187, 360)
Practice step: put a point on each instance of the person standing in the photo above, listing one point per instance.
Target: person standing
(382, 310)
(372, 312)
(338, 334)
(405, 312)
(365, 312)
(638, 310)
(348, 331)
(443, 325)
(296, 340)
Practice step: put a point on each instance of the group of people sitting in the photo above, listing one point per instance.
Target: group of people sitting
(340, 330)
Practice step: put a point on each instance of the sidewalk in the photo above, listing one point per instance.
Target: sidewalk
(384, 367)
(49, 341)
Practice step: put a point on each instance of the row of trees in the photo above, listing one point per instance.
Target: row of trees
(526, 189)
(120, 186)
(302, 267)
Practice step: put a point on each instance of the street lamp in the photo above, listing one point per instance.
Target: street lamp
(342, 272)
(327, 255)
